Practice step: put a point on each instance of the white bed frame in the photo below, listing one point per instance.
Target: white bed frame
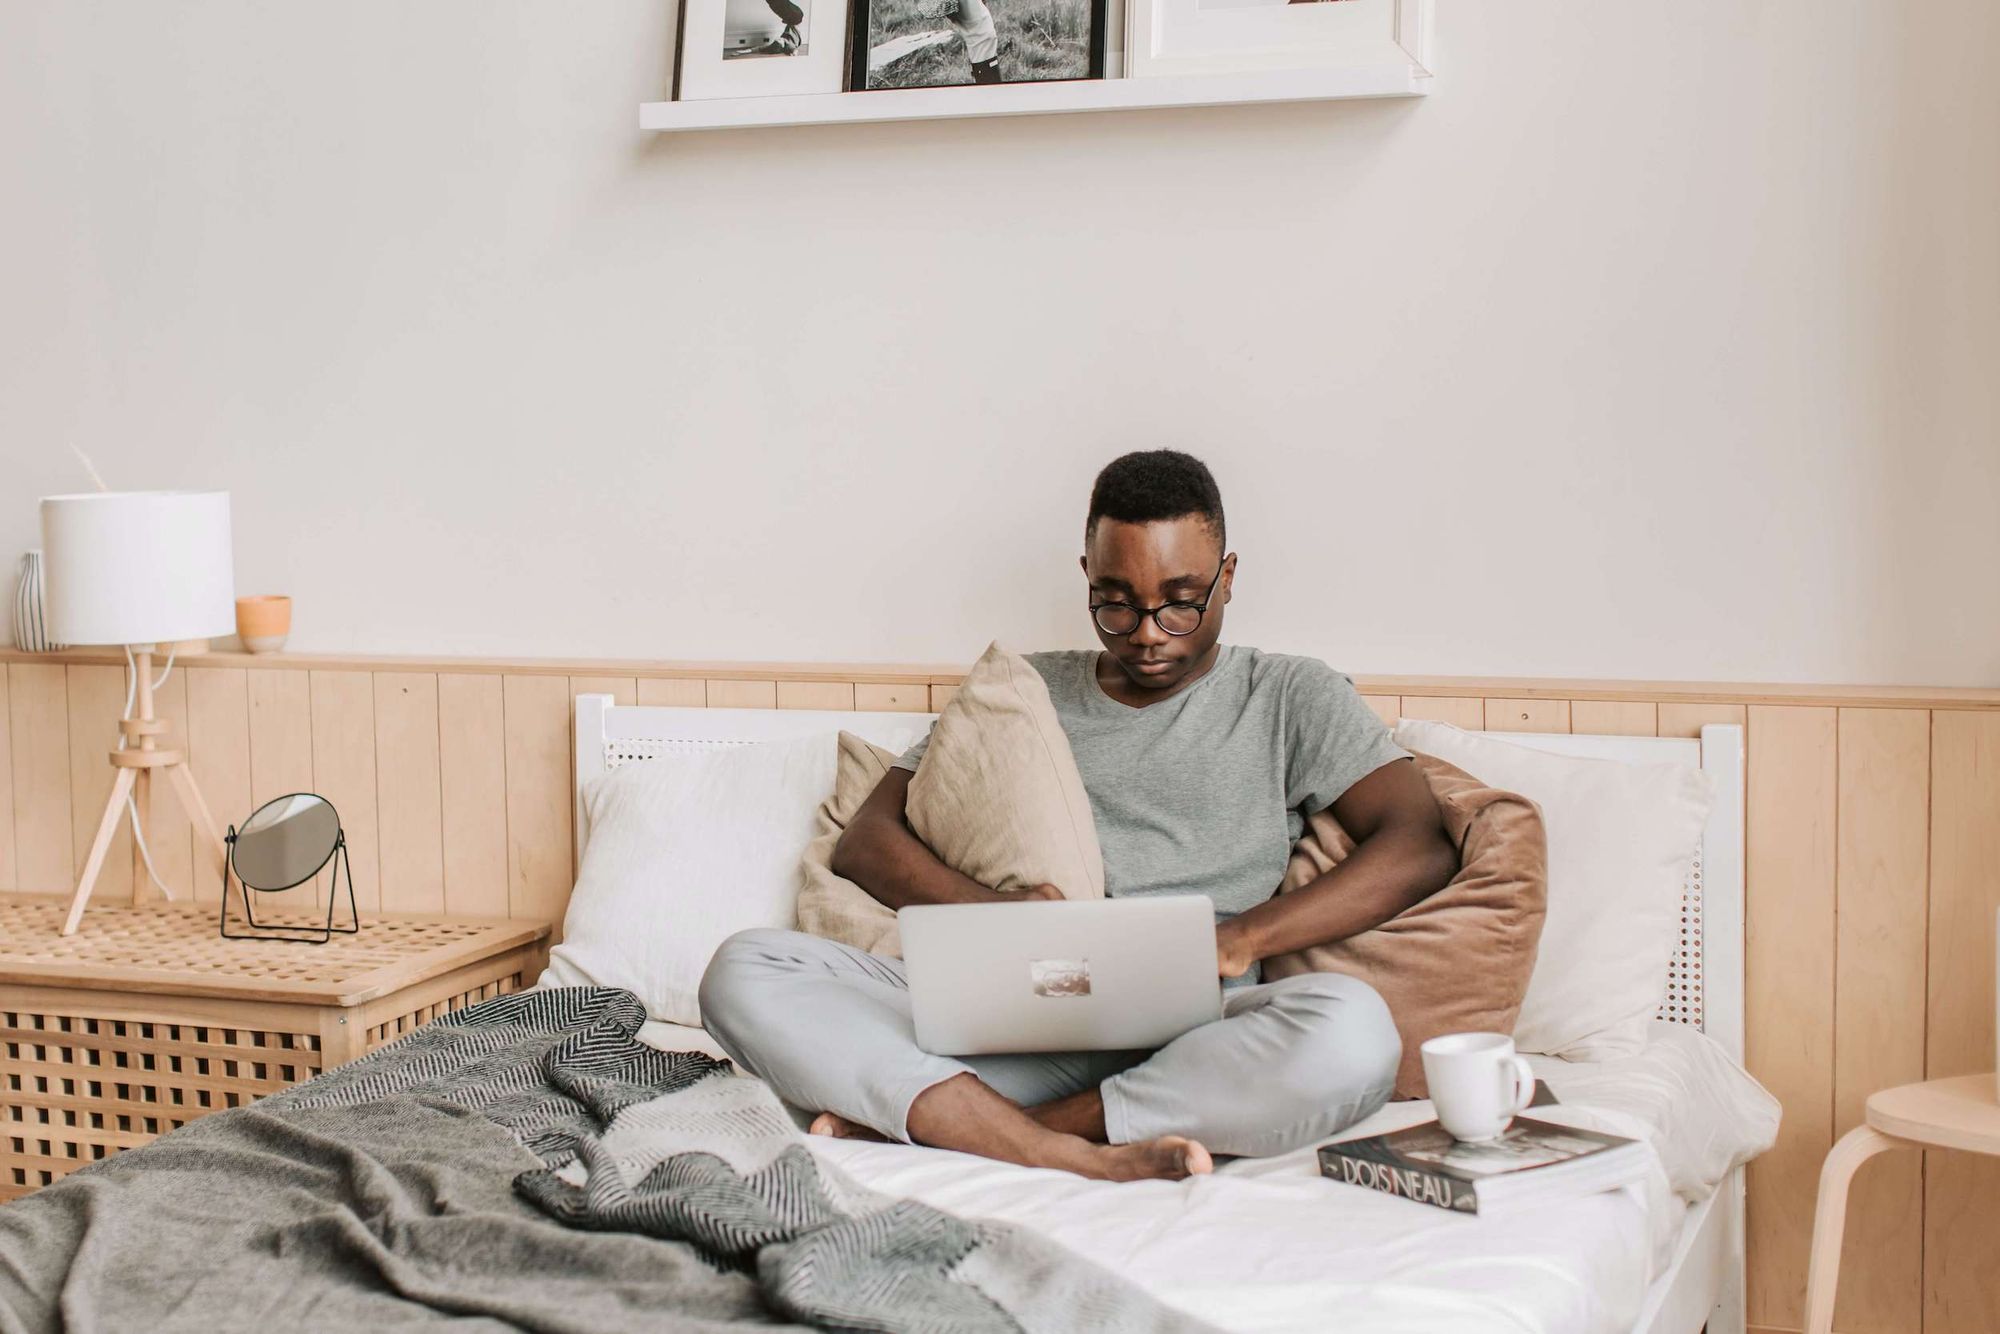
(1703, 1287)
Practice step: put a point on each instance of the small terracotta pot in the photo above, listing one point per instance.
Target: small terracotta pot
(263, 622)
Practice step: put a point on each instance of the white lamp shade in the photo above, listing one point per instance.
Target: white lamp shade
(138, 567)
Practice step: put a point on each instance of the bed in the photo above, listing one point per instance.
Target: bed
(551, 1160)
(1664, 1258)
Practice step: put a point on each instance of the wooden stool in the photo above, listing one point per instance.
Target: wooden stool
(1960, 1113)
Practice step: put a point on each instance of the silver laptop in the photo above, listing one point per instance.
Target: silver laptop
(1104, 975)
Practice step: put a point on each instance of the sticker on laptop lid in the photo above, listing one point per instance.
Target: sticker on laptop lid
(1059, 977)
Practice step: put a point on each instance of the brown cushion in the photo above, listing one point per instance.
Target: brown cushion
(830, 905)
(1459, 961)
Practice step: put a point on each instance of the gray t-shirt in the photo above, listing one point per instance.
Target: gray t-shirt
(1205, 791)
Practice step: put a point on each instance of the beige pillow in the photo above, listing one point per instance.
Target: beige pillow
(998, 796)
(831, 905)
(1459, 961)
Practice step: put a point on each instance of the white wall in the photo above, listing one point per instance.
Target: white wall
(1662, 340)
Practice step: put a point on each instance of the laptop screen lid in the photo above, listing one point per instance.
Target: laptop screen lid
(1102, 975)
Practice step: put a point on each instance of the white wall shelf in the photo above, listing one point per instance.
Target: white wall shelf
(1034, 99)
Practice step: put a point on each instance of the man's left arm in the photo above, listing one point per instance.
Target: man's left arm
(1401, 857)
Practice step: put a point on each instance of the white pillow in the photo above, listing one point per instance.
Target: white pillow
(685, 850)
(1621, 840)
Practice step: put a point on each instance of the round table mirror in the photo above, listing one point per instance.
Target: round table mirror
(286, 841)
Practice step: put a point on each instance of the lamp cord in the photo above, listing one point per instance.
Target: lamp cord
(131, 800)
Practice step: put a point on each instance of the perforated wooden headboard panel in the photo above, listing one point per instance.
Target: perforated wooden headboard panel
(609, 735)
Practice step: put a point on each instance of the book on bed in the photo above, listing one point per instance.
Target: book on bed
(1532, 1162)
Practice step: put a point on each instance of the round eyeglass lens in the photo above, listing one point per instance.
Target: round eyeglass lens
(1115, 618)
(1179, 619)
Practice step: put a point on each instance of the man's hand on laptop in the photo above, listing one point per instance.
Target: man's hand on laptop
(1041, 891)
(1233, 955)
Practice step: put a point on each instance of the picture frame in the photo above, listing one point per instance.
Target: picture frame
(951, 43)
(760, 48)
(1375, 41)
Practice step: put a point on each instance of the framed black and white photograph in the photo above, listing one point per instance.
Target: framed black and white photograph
(760, 48)
(941, 43)
(1219, 36)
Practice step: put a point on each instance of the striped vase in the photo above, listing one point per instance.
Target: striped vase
(30, 628)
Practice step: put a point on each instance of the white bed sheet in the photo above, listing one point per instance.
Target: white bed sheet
(1268, 1245)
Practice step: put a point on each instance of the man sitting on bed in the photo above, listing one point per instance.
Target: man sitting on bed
(1201, 761)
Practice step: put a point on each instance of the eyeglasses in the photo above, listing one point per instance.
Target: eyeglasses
(1176, 618)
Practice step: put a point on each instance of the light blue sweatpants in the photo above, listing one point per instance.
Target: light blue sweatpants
(828, 1027)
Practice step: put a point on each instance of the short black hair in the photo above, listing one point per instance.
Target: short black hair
(1153, 484)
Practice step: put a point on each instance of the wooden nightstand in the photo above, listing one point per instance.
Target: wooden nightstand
(146, 1018)
(1960, 1113)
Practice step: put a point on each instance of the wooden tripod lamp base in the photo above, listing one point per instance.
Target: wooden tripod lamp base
(135, 765)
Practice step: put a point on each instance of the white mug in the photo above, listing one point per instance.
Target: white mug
(1477, 1083)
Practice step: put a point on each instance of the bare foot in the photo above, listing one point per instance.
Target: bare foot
(1168, 1158)
(839, 1127)
(963, 1114)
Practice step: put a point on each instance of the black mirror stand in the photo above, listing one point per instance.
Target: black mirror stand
(262, 931)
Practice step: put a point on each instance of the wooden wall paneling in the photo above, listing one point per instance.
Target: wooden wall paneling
(1571, 688)
(472, 782)
(281, 762)
(96, 699)
(1387, 707)
(218, 737)
(409, 792)
(343, 742)
(38, 712)
(673, 692)
(1527, 715)
(169, 829)
(837, 695)
(742, 694)
(1468, 712)
(622, 689)
(874, 697)
(9, 868)
(539, 847)
(1962, 1190)
(1613, 717)
(1789, 995)
(1688, 719)
(941, 696)
(1882, 884)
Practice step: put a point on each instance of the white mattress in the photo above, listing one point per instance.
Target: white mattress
(1267, 1244)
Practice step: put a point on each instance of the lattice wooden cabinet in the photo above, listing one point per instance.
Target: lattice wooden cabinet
(146, 1018)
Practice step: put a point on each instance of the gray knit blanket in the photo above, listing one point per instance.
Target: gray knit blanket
(523, 1164)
